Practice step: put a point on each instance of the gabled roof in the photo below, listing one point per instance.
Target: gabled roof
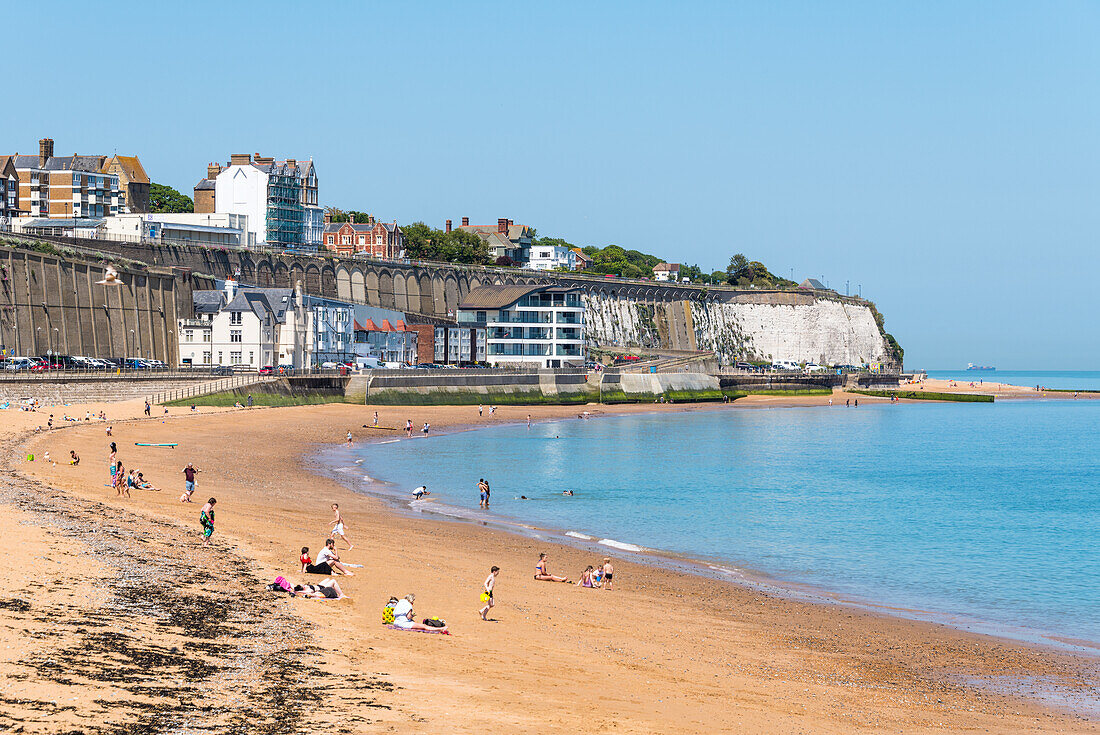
(496, 297)
(581, 255)
(25, 161)
(666, 267)
(263, 302)
(355, 226)
(135, 172)
(205, 185)
(5, 162)
(87, 164)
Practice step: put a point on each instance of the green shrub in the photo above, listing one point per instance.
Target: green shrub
(260, 399)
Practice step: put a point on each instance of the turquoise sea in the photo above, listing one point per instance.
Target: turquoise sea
(985, 516)
(1078, 379)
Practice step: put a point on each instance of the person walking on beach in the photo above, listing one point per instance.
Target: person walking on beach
(120, 481)
(189, 482)
(542, 571)
(480, 409)
(49, 423)
(487, 594)
(147, 408)
(409, 428)
(250, 400)
(338, 527)
(426, 428)
(349, 437)
(608, 573)
(206, 518)
(376, 419)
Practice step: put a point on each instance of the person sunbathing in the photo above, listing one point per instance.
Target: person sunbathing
(327, 590)
(144, 484)
(542, 572)
(404, 619)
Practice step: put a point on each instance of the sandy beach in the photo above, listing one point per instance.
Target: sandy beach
(115, 619)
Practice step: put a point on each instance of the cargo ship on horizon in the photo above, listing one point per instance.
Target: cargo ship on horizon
(972, 366)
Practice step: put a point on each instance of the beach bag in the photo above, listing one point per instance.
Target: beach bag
(435, 622)
(387, 612)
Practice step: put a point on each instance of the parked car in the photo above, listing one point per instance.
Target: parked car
(815, 368)
(157, 364)
(267, 370)
(221, 370)
(286, 369)
(14, 364)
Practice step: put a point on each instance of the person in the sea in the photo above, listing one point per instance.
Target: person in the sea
(403, 616)
(483, 491)
(566, 492)
(608, 574)
(206, 518)
(487, 593)
(420, 492)
(338, 527)
(542, 571)
(328, 557)
(327, 590)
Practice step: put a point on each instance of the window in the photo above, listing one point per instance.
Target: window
(235, 358)
(235, 317)
(206, 358)
(189, 335)
(332, 239)
(234, 335)
(206, 335)
(251, 357)
(219, 357)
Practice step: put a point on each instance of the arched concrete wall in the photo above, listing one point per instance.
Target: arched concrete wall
(343, 283)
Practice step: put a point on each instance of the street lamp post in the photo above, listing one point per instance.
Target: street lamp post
(131, 343)
(37, 344)
(56, 341)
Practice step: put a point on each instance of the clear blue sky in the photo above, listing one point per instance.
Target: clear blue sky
(944, 155)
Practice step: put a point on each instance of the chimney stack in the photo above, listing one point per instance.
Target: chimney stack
(292, 162)
(502, 226)
(212, 170)
(45, 151)
(240, 159)
(465, 221)
(448, 225)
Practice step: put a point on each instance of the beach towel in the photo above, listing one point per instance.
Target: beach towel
(407, 630)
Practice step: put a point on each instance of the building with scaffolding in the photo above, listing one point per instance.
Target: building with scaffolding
(279, 199)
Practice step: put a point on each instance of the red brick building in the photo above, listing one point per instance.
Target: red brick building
(375, 239)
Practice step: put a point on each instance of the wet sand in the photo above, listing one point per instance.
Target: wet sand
(664, 651)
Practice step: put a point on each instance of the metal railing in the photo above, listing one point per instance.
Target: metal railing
(216, 386)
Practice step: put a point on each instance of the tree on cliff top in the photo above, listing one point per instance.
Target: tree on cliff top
(165, 199)
(456, 246)
(744, 273)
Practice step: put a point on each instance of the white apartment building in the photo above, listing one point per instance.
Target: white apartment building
(552, 257)
(528, 325)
